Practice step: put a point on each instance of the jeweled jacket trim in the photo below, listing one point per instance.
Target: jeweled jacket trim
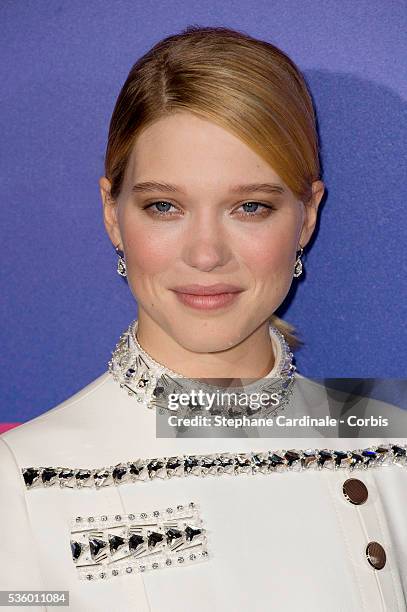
(218, 464)
(107, 546)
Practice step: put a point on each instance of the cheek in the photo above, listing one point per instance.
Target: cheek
(146, 254)
(270, 255)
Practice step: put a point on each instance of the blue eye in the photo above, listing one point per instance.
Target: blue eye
(250, 204)
(265, 209)
(159, 212)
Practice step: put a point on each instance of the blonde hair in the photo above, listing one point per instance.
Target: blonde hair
(247, 86)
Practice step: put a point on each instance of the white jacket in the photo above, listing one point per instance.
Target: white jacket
(287, 540)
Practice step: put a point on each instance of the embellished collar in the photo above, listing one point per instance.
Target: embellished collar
(150, 382)
(283, 355)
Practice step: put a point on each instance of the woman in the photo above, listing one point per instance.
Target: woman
(210, 194)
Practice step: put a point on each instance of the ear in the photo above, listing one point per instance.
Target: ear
(110, 212)
(311, 212)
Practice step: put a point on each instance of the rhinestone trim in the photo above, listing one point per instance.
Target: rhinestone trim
(218, 464)
(106, 546)
(150, 382)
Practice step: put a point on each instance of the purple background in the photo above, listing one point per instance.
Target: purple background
(63, 64)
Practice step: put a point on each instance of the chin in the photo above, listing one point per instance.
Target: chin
(207, 336)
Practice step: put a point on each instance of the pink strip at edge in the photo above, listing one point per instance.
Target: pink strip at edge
(5, 426)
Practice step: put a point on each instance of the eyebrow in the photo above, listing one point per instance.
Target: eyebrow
(248, 188)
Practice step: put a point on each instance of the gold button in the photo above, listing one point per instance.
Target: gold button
(355, 491)
(376, 555)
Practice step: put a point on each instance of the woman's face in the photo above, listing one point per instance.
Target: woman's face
(206, 227)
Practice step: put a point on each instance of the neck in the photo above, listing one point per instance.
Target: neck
(252, 358)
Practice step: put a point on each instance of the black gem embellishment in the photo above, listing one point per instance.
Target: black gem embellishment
(83, 475)
(136, 469)
(154, 538)
(259, 461)
(324, 456)
(135, 541)
(291, 457)
(369, 455)
(242, 462)
(154, 466)
(190, 463)
(191, 533)
(356, 458)
(173, 534)
(225, 461)
(143, 382)
(96, 545)
(209, 462)
(30, 476)
(76, 549)
(158, 391)
(100, 476)
(275, 460)
(65, 474)
(115, 542)
(173, 464)
(398, 451)
(119, 472)
(308, 459)
(339, 457)
(48, 474)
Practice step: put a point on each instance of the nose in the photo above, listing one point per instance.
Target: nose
(206, 244)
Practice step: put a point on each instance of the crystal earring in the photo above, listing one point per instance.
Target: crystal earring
(121, 264)
(298, 264)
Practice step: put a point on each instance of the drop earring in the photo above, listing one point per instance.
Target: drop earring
(121, 264)
(298, 264)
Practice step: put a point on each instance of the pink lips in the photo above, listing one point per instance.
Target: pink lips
(207, 289)
(207, 297)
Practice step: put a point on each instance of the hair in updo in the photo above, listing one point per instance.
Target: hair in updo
(247, 86)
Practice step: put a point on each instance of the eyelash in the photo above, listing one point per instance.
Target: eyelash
(245, 214)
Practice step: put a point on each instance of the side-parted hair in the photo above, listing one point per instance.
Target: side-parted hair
(245, 85)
